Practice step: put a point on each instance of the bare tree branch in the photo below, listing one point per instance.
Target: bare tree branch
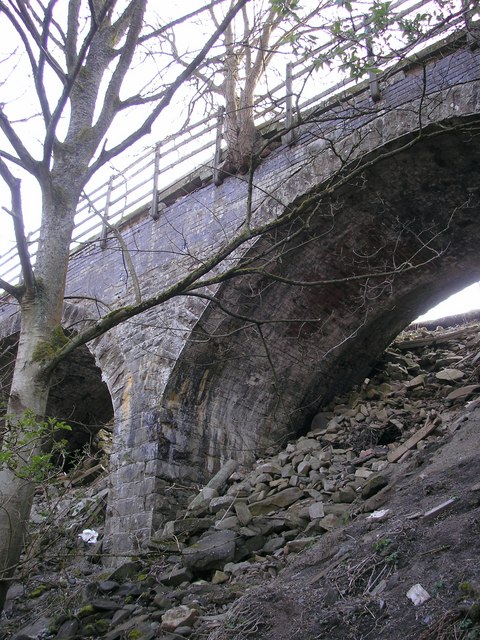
(72, 34)
(24, 160)
(22, 12)
(69, 84)
(125, 252)
(146, 126)
(22, 36)
(14, 291)
(193, 281)
(110, 102)
(17, 215)
(39, 77)
(174, 23)
(11, 158)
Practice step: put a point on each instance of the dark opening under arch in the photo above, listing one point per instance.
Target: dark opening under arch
(78, 396)
(412, 219)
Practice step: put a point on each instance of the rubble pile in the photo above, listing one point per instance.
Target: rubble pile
(243, 528)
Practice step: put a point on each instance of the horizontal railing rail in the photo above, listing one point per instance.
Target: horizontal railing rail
(163, 168)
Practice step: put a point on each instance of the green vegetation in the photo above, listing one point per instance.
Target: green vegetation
(381, 544)
(40, 590)
(48, 350)
(23, 441)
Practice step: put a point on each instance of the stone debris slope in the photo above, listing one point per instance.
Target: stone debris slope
(323, 539)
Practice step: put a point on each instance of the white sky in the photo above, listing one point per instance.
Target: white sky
(466, 300)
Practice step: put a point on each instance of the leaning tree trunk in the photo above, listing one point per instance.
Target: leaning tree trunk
(240, 133)
(41, 311)
(239, 127)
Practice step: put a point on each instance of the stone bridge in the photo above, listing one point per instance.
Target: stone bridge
(381, 210)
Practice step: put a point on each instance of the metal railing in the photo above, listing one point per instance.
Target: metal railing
(196, 150)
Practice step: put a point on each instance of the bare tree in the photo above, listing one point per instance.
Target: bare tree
(340, 37)
(249, 45)
(80, 60)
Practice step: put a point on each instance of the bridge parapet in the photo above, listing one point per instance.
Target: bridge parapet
(164, 171)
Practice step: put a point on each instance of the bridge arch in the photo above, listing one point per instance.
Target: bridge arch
(191, 386)
(413, 218)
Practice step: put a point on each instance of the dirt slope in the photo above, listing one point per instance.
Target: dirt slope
(310, 550)
(352, 584)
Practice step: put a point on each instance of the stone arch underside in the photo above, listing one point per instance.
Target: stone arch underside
(412, 219)
(78, 396)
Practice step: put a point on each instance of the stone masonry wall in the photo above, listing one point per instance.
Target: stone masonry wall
(137, 358)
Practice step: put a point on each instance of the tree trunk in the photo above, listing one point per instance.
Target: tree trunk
(98, 50)
(28, 391)
(240, 136)
(41, 311)
(239, 128)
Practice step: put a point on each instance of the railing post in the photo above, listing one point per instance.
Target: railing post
(374, 86)
(218, 146)
(154, 213)
(104, 232)
(288, 137)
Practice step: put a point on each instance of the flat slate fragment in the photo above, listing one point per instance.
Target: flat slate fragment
(211, 552)
(449, 374)
(279, 500)
(463, 392)
(438, 509)
(430, 425)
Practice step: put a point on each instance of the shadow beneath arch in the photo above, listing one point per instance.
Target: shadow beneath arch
(78, 396)
(385, 247)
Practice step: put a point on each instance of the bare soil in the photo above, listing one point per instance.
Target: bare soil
(352, 584)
